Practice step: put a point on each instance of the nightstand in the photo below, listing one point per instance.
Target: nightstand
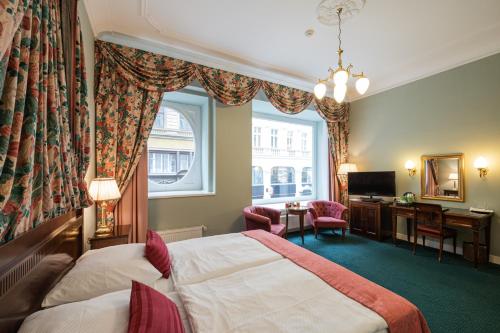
(120, 235)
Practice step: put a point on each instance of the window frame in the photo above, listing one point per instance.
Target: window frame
(204, 151)
(314, 154)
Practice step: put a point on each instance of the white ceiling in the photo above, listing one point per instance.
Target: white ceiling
(394, 42)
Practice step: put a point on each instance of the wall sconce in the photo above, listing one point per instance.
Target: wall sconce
(482, 165)
(410, 166)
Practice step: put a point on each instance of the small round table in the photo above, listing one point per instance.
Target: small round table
(299, 211)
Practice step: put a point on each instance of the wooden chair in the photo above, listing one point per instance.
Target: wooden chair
(429, 222)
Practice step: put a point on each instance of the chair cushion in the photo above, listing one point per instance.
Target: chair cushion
(435, 230)
(329, 222)
(278, 229)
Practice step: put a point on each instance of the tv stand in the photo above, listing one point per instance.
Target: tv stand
(370, 199)
(371, 219)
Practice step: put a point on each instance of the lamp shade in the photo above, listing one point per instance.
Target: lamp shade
(453, 176)
(102, 189)
(410, 165)
(345, 168)
(481, 163)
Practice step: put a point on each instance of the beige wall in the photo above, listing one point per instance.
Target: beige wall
(221, 212)
(454, 111)
(88, 44)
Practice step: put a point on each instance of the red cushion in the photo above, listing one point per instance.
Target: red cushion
(278, 229)
(157, 253)
(152, 312)
(329, 222)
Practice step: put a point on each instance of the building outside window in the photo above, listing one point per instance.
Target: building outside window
(257, 182)
(257, 134)
(281, 171)
(289, 140)
(274, 138)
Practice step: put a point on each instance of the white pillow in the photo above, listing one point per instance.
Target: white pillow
(102, 271)
(106, 313)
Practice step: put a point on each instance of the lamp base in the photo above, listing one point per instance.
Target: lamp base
(103, 231)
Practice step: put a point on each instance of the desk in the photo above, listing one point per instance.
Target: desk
(301, 212)
(456, 218)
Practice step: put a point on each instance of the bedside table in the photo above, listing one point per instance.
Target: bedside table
(120, 235)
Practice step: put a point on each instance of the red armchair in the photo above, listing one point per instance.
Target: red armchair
(327, 215)
(265, 218)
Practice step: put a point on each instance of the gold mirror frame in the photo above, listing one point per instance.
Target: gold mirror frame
(461, 177)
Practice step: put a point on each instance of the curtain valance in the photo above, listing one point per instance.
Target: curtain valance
(159, 73)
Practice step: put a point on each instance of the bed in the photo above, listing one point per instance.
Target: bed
(247, 282)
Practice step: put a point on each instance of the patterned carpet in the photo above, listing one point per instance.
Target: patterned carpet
(453, 296)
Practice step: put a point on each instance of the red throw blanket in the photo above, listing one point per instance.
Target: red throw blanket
(401, 315)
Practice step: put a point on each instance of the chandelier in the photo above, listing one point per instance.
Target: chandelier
(340, 75)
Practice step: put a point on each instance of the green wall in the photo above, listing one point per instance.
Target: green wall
(221, 212)
(454, 111)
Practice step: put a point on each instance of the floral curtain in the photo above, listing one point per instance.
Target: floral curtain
(228, 88)
(11, 14)
(129, 87)
(286, 99)
(41, 176)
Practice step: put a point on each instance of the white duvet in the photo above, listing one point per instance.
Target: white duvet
(274, 297)
(200, 259)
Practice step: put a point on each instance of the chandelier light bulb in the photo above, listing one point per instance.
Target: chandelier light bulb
(340, 77)
(362, 85)
(339, 92)
(320, 90)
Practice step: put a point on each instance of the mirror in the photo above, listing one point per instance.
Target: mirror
(443, 177)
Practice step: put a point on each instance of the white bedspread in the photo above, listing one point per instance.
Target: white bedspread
(199, 259)
(274, 297)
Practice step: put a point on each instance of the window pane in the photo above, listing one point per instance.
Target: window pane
(282, 160)
(170, 147)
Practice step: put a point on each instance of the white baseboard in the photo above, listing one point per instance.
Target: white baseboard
(448, 247)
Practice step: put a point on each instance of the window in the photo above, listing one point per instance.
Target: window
(257, 133)
(160, 119)
(280, 174)
(179, 152)
(289, 140)
(304, 142)
(274, 138)
(257, 182)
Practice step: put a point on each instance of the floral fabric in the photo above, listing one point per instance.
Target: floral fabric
(11, 14)
(39, 176)
(338, 134)
(286, 99)
(226, 87)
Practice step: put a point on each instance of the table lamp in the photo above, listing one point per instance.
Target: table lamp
(103, 190)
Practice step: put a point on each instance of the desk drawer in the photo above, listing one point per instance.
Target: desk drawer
(460, 222)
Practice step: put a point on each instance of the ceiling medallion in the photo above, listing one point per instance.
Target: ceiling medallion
(338, 77)
(327, 10)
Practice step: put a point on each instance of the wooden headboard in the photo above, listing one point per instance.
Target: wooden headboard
(33, 263)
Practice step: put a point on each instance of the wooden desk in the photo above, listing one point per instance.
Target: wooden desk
(457, 218)
(120, 235)
(301, 212)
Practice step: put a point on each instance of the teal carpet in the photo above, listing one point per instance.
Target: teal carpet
(453, 295)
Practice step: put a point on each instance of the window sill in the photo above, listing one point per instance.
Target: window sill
(179, 194)
(281, 205)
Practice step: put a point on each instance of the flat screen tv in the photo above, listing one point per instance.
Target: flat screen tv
(379, 183)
